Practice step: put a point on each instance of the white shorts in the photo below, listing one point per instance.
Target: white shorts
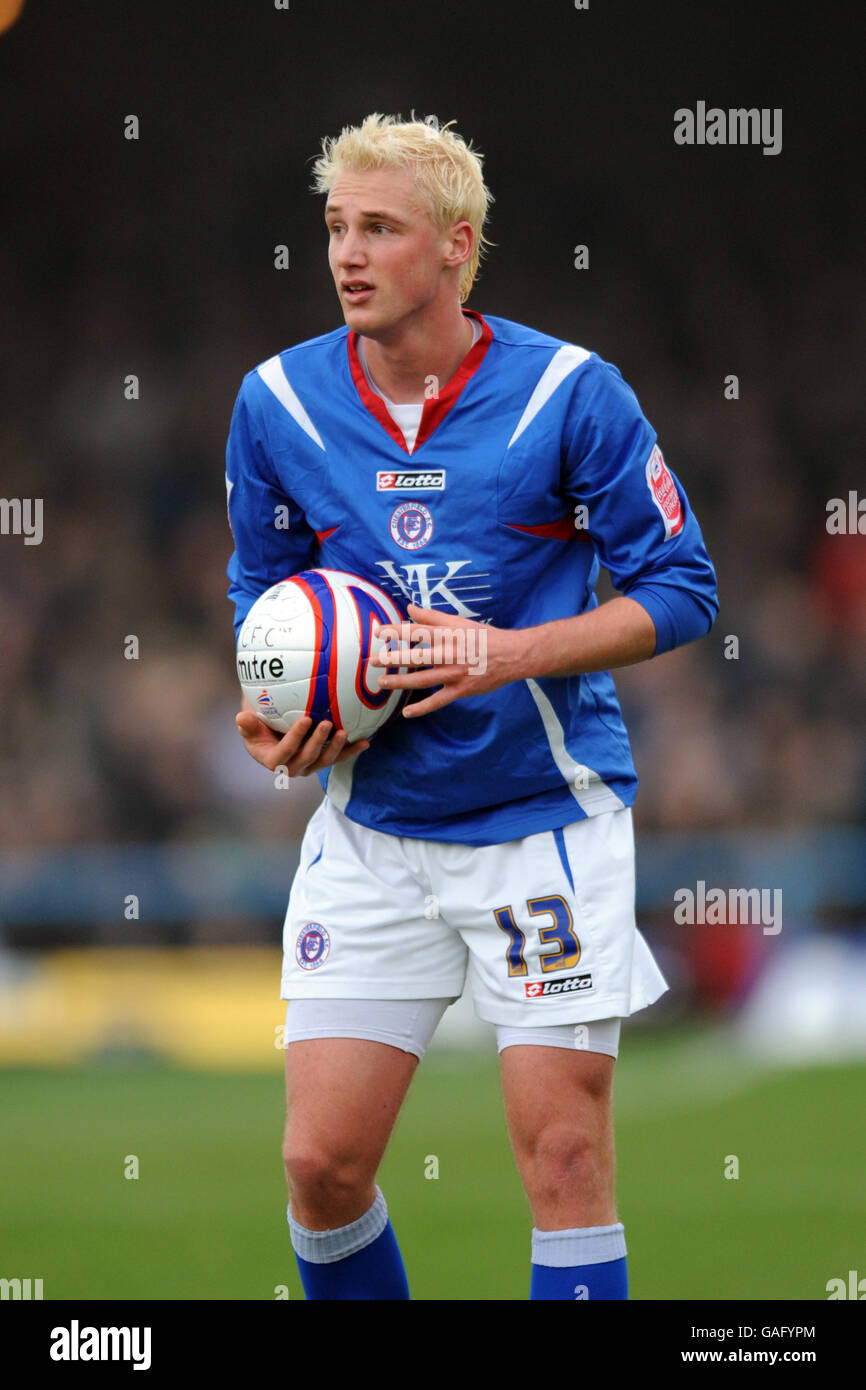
(545, 924)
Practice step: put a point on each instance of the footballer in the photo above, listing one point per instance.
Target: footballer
(480, 471)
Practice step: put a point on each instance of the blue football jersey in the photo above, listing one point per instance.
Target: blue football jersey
(533, 466)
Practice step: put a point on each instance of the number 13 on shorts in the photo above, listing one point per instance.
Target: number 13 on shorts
(558, 934)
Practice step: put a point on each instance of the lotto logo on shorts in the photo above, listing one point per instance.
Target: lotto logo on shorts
(313, 946)
(543, 989)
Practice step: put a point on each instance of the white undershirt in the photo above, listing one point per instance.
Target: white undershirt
(407, 417)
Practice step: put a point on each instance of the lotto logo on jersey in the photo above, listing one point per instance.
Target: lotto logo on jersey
(663, 491)
(544, 989)
(434, 481)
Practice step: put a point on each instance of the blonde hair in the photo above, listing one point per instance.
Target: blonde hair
(447, 172)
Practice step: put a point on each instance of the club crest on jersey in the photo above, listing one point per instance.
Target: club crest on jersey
(411, 525)
(545, 989)
(663, 491)
(313, 946)
(414, 481)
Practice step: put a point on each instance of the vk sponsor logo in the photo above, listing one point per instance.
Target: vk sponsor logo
(458, 587)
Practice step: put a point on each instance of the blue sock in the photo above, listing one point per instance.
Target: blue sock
(358, 1261)
(588, 1262)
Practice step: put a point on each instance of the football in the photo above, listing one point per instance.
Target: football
(305, 648)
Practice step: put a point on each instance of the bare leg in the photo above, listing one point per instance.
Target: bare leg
(558, 1105)
(343, 1096)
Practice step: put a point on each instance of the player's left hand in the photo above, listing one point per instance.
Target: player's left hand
(461, 656)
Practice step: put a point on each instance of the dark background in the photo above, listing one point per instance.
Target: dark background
(155, 257)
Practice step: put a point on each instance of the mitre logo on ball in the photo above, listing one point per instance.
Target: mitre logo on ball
(305, 648)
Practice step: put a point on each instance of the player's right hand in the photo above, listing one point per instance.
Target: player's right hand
(302, 750)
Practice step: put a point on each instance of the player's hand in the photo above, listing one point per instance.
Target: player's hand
(302, 750)
(462, 657)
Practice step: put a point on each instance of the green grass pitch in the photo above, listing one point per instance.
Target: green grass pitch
(205, 1218)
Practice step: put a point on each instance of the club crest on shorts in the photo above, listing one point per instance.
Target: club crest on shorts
(411, 525)
(313, 946)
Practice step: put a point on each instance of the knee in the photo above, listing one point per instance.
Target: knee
(320, 1174)
(563, 1150)
(565, 1160)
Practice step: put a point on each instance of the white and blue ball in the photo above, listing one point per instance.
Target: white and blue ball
(305, 648)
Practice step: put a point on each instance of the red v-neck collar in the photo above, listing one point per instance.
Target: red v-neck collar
(437, 407)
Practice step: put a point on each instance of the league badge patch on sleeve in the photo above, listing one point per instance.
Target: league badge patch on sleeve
(663, 491)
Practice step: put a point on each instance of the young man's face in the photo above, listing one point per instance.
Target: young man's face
(386, 253)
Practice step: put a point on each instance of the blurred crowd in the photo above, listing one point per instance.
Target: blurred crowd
(766, 729)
